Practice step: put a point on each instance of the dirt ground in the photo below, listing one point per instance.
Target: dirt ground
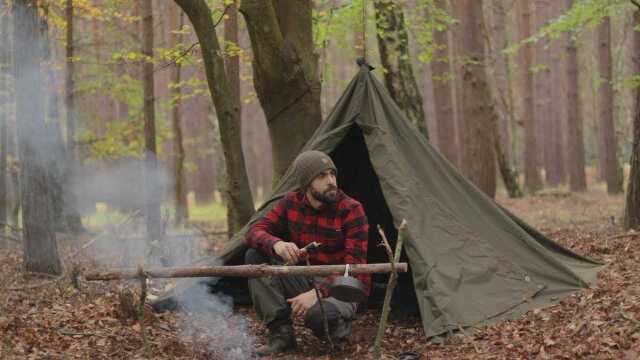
(48, 318)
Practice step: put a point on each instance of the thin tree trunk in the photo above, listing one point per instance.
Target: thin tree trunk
(532, 178)
(4, 111)
(232, 67)
(575, 137)
(399, 79)
(611, 165)
(180, 193)
(542, 90)
(632, 205)
(152, 195)
(52, 127)
(443, 92)
(497, 70)
(285, 69)
(458, 55)
(40, 247)
(478, 157)
(71, 215)
(558, 104)
(228, 111)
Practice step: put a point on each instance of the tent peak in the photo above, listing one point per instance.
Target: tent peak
(362, 62)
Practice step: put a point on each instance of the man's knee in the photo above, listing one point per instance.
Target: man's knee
(254, 257)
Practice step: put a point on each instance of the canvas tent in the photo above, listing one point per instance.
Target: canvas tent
(471, 261)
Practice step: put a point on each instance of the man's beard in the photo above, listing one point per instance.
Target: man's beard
(328, 196)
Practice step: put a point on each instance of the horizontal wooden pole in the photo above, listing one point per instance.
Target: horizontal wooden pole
(249, 271)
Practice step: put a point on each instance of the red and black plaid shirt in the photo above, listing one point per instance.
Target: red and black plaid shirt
(342, 229)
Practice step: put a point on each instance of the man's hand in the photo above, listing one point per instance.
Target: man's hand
(288, 251)
(303, 302)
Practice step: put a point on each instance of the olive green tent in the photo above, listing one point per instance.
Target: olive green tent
(472, 262)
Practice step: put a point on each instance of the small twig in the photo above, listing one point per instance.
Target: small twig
(385, 243)
(78, 333)
(143, 298)
(309, 247)
(55, 277)
(31, 286)
(628, 317)
(325, 320)
(473, 342)
(124, 221)
(180, 56)
(224, 12)
(634, 2)
(622, 236)
(377, 352)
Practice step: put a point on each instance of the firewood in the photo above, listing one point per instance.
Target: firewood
(244, 271)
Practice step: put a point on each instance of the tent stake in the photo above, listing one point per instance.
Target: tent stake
(377, 351)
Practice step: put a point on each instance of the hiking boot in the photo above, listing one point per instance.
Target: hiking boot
(281, 339)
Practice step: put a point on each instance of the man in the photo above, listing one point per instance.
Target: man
(317, 211)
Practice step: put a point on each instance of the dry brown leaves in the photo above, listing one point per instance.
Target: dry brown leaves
(42, 318)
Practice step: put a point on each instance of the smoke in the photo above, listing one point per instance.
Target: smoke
(209, 318)
(211, 325)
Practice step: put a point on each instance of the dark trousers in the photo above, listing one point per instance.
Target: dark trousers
(269, 295)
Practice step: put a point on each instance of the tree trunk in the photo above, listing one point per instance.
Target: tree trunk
(71, 215)
(399, 79)
(542, 90)
(152, 194)
(611, 165)
(232, 66)
(180, 191)
(575, 137)
(4, 111)
(498, 70)
(558, 104)
(478, 158)
(443, 93)
(458, 54)
(52, 119)
(532, 178)
(632, 205)
(39, 240)
(238, 192)
(285, 70)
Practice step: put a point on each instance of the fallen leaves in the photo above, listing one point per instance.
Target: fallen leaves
(51, 319)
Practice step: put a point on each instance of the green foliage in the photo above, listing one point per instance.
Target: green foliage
(337, 23)
(584, 15)
(422, 22)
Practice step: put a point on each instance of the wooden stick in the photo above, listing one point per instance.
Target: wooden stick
(143, 297)
(377, 352)
(622, 236)
(123, 222)
(250, 271)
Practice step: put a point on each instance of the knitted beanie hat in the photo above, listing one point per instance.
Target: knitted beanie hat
(310, 164)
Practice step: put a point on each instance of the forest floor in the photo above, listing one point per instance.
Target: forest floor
(48, 318)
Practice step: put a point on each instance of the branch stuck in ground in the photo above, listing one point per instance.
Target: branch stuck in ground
(386, 307)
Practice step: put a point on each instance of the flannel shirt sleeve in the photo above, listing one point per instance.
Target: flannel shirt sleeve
(356, 243)
(268, 230)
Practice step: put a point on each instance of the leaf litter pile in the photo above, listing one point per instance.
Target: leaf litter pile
(49, 318)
